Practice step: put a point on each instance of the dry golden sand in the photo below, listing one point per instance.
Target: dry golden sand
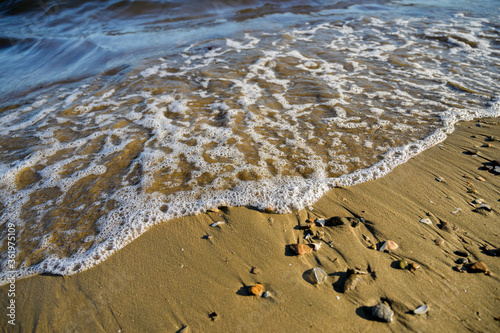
(173, 276)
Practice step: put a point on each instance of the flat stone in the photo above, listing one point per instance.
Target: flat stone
(478, 267)
(301, 248)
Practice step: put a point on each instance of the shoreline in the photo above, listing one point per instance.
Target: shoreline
(175, 275)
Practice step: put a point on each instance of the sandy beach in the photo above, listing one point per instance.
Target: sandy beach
(185, 275)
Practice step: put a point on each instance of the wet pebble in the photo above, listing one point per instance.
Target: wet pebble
(403, 264)
(462, 261)
(383, 312)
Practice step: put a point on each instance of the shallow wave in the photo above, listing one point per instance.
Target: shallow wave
(261, 119)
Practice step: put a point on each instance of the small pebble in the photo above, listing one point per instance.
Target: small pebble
(255, 270)
(462, 261)
(267, 294)
(413, 266)
(403, 264)
(439, 241)
(421, 309)
(300, 249)
(257, 289)
(426, 221)
(317, 276)
(478, 267)
(383, 312)
(352, 280)
(388, 246)
(462, 253)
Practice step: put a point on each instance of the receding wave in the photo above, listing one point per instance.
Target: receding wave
(261, 119)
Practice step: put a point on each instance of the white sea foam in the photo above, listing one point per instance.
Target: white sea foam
(265, 120)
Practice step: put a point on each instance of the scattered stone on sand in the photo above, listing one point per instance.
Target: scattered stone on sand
(491, 251)
(255, 270)
(335, 221)
(306, 225)
(478, 267)
(413, 266)
(426, 221)
(355, 221)
(481, 179)
(471, 188)
(383, 312)
(439, 241)
(483, 209)
(352, 280)
(388, 246)
(316, 246)
(269, 209)
(472, 151)
(185, 329)
(403, 264)
(372, 271)
(217, 224)
(213, 210)
(320, 222)
(213, 315)
(316, 276)
(439, 179)
(462, 261)
(300, 249)
(462, 253)
(490, 138)
(256, 290)
(421, 310)
(368, 240)
(267, 294)
(448, 226)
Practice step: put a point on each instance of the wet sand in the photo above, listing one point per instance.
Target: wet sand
(183, 271)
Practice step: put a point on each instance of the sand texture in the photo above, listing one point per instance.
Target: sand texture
(186, 274)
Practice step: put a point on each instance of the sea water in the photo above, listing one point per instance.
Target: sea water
(119, 115)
